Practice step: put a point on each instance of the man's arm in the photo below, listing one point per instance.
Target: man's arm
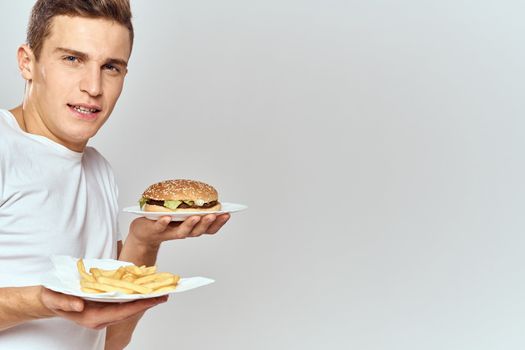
(141, 248)
(118, 336)
(21, 304)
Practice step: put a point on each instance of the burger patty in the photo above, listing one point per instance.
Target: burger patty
(183, 205)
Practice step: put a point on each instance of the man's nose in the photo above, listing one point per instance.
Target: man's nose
(92, 82)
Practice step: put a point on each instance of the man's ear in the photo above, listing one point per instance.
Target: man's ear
(26, 60)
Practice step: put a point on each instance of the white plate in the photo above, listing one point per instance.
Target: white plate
(65, 279)
(225, 208)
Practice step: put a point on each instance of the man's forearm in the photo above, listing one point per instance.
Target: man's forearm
(119, 335)
(21, 304)
(137, 253)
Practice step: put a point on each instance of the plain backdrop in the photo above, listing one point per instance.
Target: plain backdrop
(379, 147)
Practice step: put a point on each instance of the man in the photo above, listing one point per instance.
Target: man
(58, 196)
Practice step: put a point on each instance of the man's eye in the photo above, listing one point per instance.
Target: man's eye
(70, 58)
(111, 67)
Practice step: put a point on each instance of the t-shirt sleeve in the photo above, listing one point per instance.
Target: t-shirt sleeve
(118, 232)
(2, 179)
(120, 237)
(3, 169)
(114, 194)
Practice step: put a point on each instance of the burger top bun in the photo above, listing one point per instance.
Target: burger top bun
(181, 190)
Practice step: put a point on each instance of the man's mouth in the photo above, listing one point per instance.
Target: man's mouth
(84, 109)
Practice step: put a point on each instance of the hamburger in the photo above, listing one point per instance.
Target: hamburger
(180, 196)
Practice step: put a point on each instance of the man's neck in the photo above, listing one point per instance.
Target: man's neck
(36, 126)
(18, 112)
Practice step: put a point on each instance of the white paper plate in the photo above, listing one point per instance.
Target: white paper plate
(65, 279)
(225, 208)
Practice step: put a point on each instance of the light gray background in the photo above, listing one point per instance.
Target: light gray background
(378, 144)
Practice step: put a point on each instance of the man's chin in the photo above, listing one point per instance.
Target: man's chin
(78, 140)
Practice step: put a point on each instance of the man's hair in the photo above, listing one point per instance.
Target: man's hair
(44, 10)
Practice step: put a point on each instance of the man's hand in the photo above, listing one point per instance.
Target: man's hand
(94, 315)
(150, 233)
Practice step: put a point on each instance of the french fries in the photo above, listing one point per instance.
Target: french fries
(129, 279)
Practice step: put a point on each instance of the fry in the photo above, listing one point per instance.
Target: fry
(107, 273)
(148, 270)
(87, 276)
(95, 272)
(133, 269)
(105, 287)
(154, 277)
(80, 265)
(82, 270)
(159, 284)
(89, 290)
(124, 284)
(176, 278)
(129, 279)
(119, 273)
(165, 289)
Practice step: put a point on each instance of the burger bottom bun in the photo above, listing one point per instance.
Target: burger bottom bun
(158, 208)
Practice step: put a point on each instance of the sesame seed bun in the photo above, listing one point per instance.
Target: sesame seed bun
(181, 190)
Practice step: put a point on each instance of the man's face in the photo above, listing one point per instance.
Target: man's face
(78, 78)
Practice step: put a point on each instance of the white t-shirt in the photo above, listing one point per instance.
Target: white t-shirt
(52, 201)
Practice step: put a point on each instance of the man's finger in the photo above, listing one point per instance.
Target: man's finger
(58, 301)
(184, 229)
(107, 324)
(218, 223)
(123, 311)
(162, 223)
(96, 315)
(203, 225)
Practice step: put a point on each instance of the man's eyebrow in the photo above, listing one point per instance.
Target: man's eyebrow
(72, 52)
(85, 56)
(117, 61)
